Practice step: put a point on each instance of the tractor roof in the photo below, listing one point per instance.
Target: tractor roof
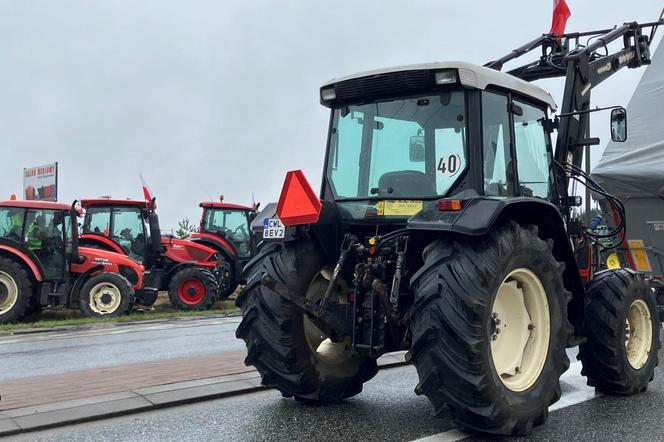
(113, 202)
(470, 75)
(213, 205)
(47, 205)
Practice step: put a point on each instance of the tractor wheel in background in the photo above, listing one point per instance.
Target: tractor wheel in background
(192, 288)
(106, 294)
(227, 279)
(289, 351)
(15, 290)
(34, 308)
(489, 329)
(622, 330)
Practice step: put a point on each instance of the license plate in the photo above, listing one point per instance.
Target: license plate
(273, 229)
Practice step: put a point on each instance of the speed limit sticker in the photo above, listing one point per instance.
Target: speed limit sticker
(449, 165)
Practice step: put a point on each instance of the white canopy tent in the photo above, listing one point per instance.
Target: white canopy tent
(635, 168)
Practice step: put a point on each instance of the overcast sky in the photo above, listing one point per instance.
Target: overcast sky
(212, 97)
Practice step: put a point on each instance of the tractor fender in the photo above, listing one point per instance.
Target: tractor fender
(185, 251)
(94, 240)
(215, 242)
(25, 258)
(110, 262)
(80, 280)
(481, 214)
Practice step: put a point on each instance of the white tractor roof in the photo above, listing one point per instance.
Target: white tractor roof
(470, 75)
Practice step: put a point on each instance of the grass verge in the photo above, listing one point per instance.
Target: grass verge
(65, 317)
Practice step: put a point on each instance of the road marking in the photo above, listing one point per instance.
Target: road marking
(446, 436)
(581, 393)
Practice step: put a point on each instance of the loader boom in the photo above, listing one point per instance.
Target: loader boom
(583, 68)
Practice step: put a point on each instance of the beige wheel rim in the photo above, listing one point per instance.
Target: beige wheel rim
(8, 292)
(638, 334)
(322, 347)
(520, 329)
(105, 298)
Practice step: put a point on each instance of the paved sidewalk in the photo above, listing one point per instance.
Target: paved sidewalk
(55, 400)
(18, 393)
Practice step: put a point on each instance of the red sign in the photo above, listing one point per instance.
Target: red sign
(41, 183)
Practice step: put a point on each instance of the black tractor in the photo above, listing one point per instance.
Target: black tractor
(445, 227)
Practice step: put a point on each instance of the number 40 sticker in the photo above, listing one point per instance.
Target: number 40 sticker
(449, 165)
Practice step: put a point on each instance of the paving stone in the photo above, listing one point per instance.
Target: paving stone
(82, 413)
(202, 392)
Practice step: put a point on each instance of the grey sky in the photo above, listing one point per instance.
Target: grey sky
(211, 97)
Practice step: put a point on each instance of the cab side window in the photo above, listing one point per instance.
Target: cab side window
(98, 220)
(532, 152)
(11, 223)
(498, 166)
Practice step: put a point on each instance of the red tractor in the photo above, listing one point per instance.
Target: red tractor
(187, 270)
(41, 263)
(225, 227)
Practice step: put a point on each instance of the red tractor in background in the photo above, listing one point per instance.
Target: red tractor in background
(41, 264)
(225, 227)
(187, 270)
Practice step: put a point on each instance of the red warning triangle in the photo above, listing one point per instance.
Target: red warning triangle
(298, 203)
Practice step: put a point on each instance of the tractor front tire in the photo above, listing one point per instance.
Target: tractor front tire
(622, 330)
(489, 329)
(193, 288)
(106, 295)
(15, 290)
(288, 350)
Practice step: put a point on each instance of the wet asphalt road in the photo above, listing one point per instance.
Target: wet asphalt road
(36, 354)
(386, 410)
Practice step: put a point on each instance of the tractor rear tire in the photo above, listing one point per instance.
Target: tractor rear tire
(106, 295)
(489, 329)
(15, 290)
(622, 330)
(193, 288)
(288, 350)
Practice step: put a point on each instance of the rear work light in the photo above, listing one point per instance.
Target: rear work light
(448, 205)
(328, 94)
(445, 77)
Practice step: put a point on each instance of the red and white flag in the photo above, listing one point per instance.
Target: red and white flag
(561, 13)
(147, 194)
(253, 202)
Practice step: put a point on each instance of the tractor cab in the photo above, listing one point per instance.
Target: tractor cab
(225, 227)
(230, 222)
(403, 138)
(122, 226)
(42, 231)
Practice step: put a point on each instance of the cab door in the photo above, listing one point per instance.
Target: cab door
(44, 237)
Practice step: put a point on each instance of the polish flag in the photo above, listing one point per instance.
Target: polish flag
(561, 13)
(253, 202)
(147, 194)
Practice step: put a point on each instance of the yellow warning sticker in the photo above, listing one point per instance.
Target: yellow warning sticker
(641, 261)
(398, 207)
(613, 262)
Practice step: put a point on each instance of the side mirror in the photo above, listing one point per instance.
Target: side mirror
(416, 149)
(619, 125)
(155, 234)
